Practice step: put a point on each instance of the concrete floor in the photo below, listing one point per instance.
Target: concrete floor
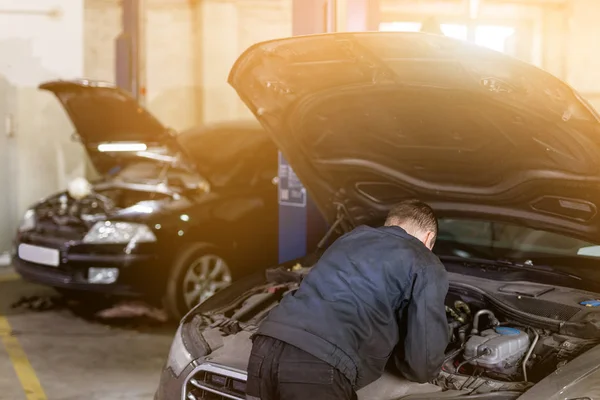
(71, 356)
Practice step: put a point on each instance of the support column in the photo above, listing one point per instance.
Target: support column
(300, 222)
(130, 47)
(301, 225)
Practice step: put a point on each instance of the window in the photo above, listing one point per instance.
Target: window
(400, 26)
(231, 157)
(494, 37)
(455, 31)
(491, 239)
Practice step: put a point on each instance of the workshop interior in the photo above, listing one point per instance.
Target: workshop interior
(174, 170)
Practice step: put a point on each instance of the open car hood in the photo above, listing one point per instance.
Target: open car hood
(367, 119)
(103, 113)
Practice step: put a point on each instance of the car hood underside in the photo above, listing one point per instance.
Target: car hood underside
(368, 119)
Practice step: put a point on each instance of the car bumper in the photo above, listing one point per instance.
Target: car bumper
(136, 271)
(170, 386)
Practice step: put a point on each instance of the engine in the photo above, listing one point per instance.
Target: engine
(489, 353)
(498, 350)
(484, 353)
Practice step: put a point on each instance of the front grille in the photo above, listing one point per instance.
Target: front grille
(48, 227)
(542, 308)
(212, 382)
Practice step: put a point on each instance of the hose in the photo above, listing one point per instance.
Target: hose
(468, 360)
(494, 321)
(457, 369)
(535, 340)
(454, 314)
(462, 333)
(462, 306)
(453, 354)
(452, 326)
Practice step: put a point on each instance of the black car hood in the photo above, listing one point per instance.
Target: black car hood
(103, 113)
(367, 119)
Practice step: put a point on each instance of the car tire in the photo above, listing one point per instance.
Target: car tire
(199, 271)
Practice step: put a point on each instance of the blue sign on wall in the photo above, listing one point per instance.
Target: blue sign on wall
(291, 191)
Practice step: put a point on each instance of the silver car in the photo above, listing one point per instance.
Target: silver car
(507, 155)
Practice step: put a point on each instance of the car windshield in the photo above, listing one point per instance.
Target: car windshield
(230, 155)
(500, 240)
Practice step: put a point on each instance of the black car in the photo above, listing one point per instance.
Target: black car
(177, 216)
(506, 154)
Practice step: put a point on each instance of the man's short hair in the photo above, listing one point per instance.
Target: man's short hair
(414, 214)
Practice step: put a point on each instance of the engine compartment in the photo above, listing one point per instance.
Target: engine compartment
(489, 351)
(63, 209)
(491, 348)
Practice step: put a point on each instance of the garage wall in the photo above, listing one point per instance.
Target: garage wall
(191, 46)
(172, 56)
(36, 155)
(582, 57)
(171, 52)
(229, 28)
(102, 25)
(564, 32)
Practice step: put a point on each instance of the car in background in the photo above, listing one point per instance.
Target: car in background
(506, 154)
(173, 216)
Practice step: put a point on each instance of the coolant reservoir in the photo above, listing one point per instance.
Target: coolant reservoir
(505, 348)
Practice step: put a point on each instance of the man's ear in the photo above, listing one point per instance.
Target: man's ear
(429, 240)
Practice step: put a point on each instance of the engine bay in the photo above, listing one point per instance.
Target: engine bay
(64, 210)
(491, 348)
(489, 352)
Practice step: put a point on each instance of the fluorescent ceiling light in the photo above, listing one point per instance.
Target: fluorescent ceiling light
(113, 147)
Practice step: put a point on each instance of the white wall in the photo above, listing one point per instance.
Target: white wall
(582, 57)
(39, 40)
(229, 28)
(172, 55)
(191, 46)
(565, 32)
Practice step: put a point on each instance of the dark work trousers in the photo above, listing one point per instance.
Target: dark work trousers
(277, 370)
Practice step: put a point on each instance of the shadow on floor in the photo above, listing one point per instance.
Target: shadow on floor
(18, 297)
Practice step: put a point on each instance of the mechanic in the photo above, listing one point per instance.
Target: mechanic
(376, 294)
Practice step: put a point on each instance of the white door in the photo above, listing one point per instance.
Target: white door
(40, 40)
(7, 197)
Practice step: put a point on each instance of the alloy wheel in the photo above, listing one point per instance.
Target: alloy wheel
(204, 277)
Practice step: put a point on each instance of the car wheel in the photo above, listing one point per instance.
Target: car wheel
(197, 273)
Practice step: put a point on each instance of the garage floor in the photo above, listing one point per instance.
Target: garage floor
(62, 354)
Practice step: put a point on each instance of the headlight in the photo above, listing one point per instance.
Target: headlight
(119, 233)
(179, 356)
(28, 221)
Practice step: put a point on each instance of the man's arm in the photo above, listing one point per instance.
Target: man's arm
(426, 326)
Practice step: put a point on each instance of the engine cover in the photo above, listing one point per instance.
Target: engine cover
(505, 347)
